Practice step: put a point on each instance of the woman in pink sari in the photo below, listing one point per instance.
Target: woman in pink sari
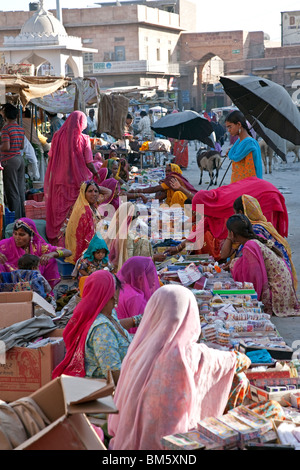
(114, 186)
(262, 264)
(139, 281)
(70, 164)
(26, 239)
(168, 381)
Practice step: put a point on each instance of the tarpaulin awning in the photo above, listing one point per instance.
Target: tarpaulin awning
(28, 88)
(80, 93)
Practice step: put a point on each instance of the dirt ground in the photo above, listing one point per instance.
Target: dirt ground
(286, 177)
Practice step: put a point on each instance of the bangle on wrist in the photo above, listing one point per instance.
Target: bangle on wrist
(229, 239)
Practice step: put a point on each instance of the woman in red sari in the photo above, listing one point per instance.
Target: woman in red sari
(70, 163)
(181, 153)
(83, 220)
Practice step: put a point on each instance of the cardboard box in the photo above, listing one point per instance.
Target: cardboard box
(258, 394)
(19, 306)
(26, 369)
(66, 401)
(276, 353)
(246, 432)
(191, 440)
(218, 432)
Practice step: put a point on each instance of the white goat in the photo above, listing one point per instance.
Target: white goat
(209, 160)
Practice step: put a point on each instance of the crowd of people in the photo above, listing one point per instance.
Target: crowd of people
(148, 335)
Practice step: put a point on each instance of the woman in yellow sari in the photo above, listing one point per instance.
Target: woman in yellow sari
(84, 218)
(174, 189)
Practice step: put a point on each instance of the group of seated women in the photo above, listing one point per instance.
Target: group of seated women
(148, 335)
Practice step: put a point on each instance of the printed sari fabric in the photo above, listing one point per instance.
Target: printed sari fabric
(270, 276)
(166, 365)
(38, 246)
(105, 347)
(246, 159)
(240, 384)
(265, 229)
(139, 281)
(81, 226)
(66, 171)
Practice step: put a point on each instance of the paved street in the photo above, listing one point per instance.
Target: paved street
(286, 177)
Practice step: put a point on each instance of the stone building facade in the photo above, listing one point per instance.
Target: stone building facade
(156, 43)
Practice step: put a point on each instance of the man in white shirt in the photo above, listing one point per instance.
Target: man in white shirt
(144, 126)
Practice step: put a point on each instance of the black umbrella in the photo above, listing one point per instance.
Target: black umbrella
(185, 125)
(276, 142)
(265, 101)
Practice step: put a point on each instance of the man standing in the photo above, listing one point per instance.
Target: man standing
(55, 124)
(92, 124)
(144, 126)
(12, 141)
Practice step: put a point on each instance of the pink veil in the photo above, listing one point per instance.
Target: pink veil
(139, 281)
(66, 171)
(38, 246)
(250, 267)
(168, 381)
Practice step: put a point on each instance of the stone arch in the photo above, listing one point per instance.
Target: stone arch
(34, 59)
(197, 48)
(75, 64)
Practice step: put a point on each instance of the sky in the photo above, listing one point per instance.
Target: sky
(254, 15)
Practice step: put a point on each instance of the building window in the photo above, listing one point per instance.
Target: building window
(146, 53)
(88, 57)
(169, 56)
(120, 39)
(120, 84)
(158, 54)
(119, 53)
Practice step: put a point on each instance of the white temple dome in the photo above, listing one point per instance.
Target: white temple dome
(42, 22)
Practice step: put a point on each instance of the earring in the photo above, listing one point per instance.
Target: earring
(240, 130)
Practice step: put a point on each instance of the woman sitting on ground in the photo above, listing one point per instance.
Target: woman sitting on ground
(249, 206)
(96, 343)
(217, 206)
(174, 189)
(169, 381)
(124, 241)
(139, 280)
(84, 218)
(262, 264)
(26, 239)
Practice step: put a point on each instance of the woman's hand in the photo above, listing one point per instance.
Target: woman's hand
(175, 185)
(159, 257)
(44, 259)
(3, 258)
(171, 251)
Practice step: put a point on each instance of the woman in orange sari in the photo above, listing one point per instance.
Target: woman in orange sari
(245, 154)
